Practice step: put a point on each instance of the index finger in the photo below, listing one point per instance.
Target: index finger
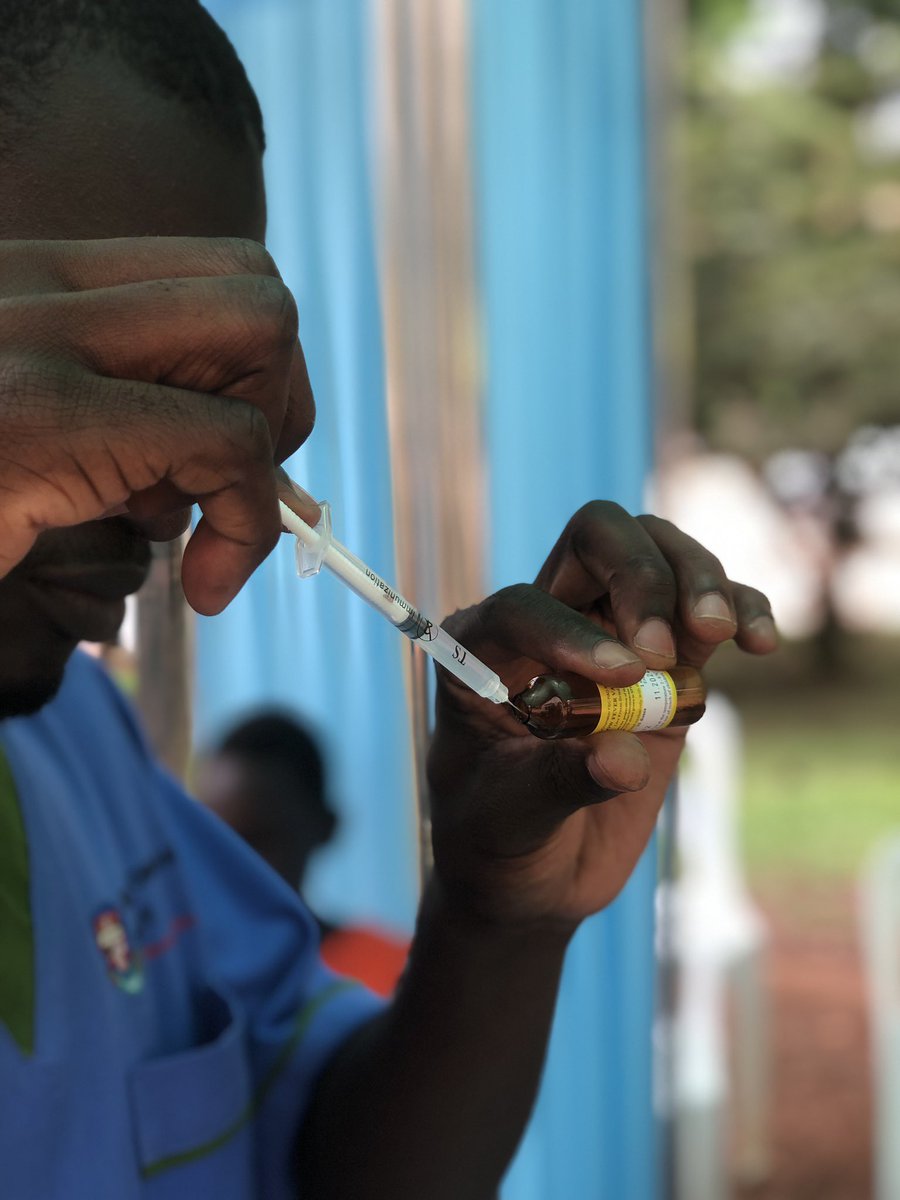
(523, 631)
(93, 265)
(78, 266)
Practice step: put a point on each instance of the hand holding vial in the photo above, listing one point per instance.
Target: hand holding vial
(529, 830)
(604, 652)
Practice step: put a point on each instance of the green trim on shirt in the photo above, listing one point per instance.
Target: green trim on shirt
(304, 1020)
(16, 931)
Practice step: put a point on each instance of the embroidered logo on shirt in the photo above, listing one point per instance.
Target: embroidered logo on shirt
(123, 965)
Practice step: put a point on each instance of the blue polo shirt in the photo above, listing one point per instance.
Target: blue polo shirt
(177, 1014)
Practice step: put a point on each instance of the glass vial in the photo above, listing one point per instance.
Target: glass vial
(565, 705)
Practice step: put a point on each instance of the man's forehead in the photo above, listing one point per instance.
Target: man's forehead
(107, 156)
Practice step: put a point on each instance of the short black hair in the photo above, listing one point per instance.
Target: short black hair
(174, 46)
(285, 757)
(274, 740)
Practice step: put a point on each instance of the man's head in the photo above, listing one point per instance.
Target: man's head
(267, 781)
(118, 118)
(125, 118)
(172, 46)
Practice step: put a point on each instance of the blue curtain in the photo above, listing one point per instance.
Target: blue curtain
(560, 213)
(310, 644)
(559, 208)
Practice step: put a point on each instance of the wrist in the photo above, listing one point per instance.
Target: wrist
(476, 915)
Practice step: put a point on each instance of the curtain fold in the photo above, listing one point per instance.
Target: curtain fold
(559, 145)
(558, 208)
(310, 644)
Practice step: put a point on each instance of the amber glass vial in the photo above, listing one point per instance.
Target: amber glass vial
(565, 705)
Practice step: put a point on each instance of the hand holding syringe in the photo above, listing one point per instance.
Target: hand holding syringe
(317, 548)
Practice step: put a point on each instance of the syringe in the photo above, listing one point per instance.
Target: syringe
(316, 548)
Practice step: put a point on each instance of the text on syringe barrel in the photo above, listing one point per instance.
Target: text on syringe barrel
(380, 595)
(434, 639)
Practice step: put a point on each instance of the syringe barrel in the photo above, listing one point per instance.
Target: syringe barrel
(427, 634)
(465, 666)
(408, 620)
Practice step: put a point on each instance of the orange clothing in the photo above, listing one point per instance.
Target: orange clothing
(374, 958)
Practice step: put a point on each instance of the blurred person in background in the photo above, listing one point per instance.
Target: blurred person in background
(267, 780)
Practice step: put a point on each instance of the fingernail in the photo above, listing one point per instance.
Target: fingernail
(633, 766)
(764, 629)
(713, 607)
(655, 637)
(621, 764)
(296, 499)
(611, 654)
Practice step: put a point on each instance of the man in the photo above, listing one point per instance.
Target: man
(267, 780)
(165, 1027)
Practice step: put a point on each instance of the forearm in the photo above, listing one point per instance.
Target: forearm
(431, 1099)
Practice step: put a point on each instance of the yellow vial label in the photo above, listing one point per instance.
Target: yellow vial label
(640, 708)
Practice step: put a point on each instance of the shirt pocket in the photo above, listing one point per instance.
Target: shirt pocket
(193, 1115)
(35, 1122)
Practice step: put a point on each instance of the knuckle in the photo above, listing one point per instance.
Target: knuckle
(660, 527)
(256, 438)
(248, 256)
(597, 512)
(710, 574)
(61, 264)
(711, 562)
(515, 592)
(495, 609)
(752, 598)
(241, 430)
(688, 550)
(459, 621)
(273, 310)
(594, 524)
(514, 595)
(656, 525)
(706, 570)
(645, 573)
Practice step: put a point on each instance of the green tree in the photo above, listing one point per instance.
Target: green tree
(795, 237)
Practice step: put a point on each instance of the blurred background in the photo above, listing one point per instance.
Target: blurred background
(547, 250)
(781, 450)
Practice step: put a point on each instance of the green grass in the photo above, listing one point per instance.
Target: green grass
(822, 756)
(816, 799)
